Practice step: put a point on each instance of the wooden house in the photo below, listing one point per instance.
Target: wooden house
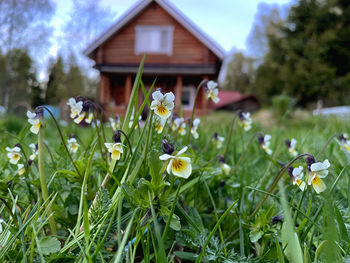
(177, 52)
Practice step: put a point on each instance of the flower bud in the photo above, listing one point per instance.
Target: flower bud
(309, 161)
(116, 137)
(168, 148)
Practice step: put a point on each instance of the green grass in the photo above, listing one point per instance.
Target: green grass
(132, 210)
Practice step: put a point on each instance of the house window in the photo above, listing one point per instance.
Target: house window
(154, 39)
(187, 97)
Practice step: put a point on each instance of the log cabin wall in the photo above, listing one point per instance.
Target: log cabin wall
(187, 52)
(187, 49)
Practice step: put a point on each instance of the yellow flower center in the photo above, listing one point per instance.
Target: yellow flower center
(162, 110)
(16, 156)
(178, 165)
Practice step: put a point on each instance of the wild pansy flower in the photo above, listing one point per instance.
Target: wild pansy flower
(13, 154)
(195, 127)
(20, 169)
(162, 104)
(212, 91)
(180, 126)
(159, 124)
(182, 129)
(265, 143)
(116, 148)
(218, 140)
(179, 165)
(86, 112)
(343, 138)
(73, 144)
(226, 169)
(245, 120)
(291, 146)
(115, 122)
(174, 126)
(34, 148)
(75, 107)
(317, 171)
(297, 175)
(35, 119)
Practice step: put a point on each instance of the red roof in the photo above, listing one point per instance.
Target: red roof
(227, 97)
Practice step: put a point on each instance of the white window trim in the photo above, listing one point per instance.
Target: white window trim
(191, 89)
(139, 29)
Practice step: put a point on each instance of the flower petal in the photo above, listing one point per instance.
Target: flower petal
(318, 184)
(165, 157)
(181, 167)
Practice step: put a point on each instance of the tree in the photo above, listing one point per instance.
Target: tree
(266, 22)
(239, 73)
(23, 25)
(88, 19)
(310, 59)
(55, 88)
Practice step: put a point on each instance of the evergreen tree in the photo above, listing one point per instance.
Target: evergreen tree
(56, 90)
(310, 59)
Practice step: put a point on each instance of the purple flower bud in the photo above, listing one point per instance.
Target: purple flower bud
(39, 111)
(261, 139)
(309, 161)
(18, 145)
(30, 162)
(168, 148)
(80, 98)
(116, 137)
(277, 219)
(221, 159)
(240, 115)
(290, 172)
(341, 138)
(288, 143)
(222, 183)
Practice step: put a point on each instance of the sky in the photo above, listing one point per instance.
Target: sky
(228, 22)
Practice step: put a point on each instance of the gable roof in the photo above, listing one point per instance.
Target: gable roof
(172, 10)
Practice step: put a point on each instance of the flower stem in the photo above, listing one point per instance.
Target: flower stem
(44, 190)
(63, 141)
(193, 109)
(171, 211)
(230, 135)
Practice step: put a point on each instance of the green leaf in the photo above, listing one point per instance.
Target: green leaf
(186, 255)
(49, 245)
(255, 235)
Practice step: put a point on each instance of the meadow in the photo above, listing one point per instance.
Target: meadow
(225, 189)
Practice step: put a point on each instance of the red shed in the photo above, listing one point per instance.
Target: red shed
(178, 54)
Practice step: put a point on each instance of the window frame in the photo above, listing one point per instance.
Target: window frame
(142, 28)
(191, 89)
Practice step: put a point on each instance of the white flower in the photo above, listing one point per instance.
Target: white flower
(178, 165)
(20, 169)
(73, 145)
(318, 170)
(34, 149)
(115, 123)
(162, 104)
(265, 143)
(160, 123)
(195, 127)
(291, 147)
(225, 168)
(116, 149)
(89, 118)
(246, 121)
(182, 129)
(297, 178)
(75, 107)
(80, 117)
(13, 154)
(212, 91)
(35, 121)
(218, 140)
